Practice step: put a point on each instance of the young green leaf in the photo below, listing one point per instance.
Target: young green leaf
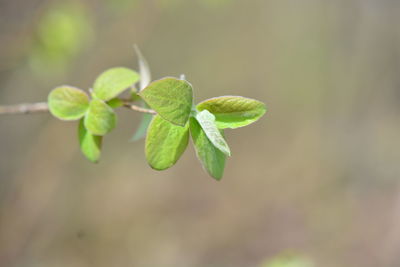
(142, 128)
(233, 111)
(165, 143)
(90, 144)
(145, 79)
(171, 98)
(207, 122)
(68, 103)
(144, 69)
(212, 159)
(115, 103)
(114, 81)
(100, 118)
(289, 260)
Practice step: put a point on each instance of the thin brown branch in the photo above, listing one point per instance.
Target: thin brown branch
(24, 108)
(41, 107)
(139, 109)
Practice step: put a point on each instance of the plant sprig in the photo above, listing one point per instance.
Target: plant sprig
(169, 116)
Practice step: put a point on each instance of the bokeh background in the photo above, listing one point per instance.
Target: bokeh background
(317, 177)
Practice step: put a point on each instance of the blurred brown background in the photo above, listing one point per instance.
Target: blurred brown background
(318, 175)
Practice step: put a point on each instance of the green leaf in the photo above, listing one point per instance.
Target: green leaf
(115, 103)
(142, 128)
(165, 143)
(90, 144)
(207, 122)
(68, 103)
(135, 97)
(61, 32)
(171, 98)
(114, 81)
(144, 69)
(100, 118)
(233, 111)
(289, 260)
(212, 159)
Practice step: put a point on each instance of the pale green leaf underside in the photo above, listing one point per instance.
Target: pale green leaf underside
(207, 122)
(144, 69)
(68, 103)
(212, 159)
(114, 81)
(165, 143)
(171, 98)
(233, 111)
(143, 126)
(90, 144)
(100, 118)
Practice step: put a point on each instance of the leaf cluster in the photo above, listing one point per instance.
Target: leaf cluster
(168, 132)
(96, 114)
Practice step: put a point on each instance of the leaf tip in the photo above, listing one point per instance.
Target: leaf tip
(217, 178)
(94, 161)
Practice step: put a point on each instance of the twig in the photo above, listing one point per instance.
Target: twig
(30, 108)
(139, 109)
(24, 108)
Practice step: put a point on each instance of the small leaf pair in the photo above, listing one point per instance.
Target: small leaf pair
(168, 133)
(96, 115)
(217, 114)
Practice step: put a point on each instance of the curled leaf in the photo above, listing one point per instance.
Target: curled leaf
(207, 122)
(212, 159)
(144, 69)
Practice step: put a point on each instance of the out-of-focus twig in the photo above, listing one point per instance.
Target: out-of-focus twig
(24, 108)
(30, 108)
